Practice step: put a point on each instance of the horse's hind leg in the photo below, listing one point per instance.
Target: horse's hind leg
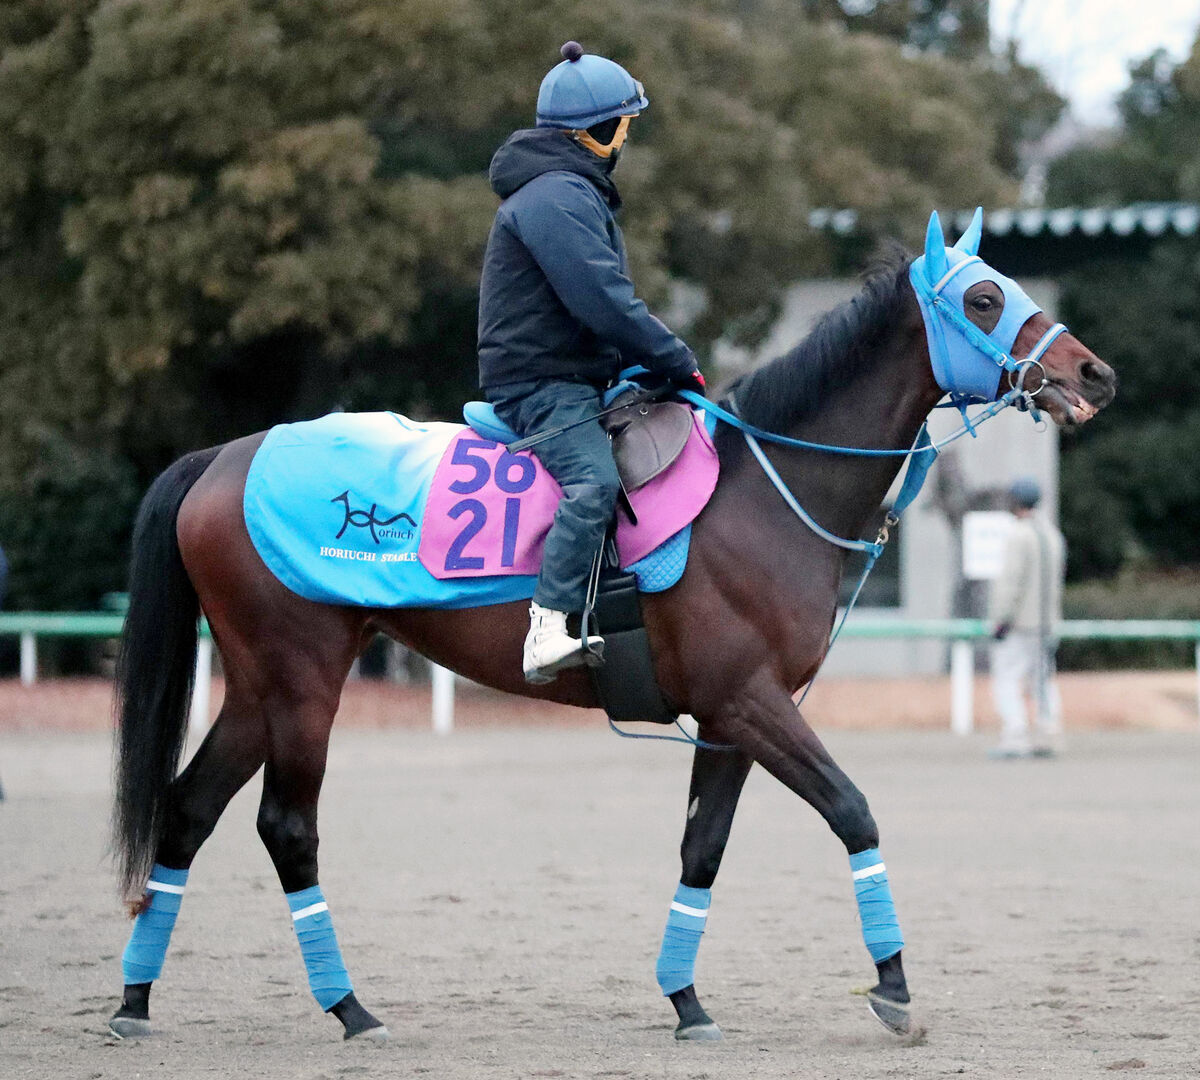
(717, 780)
(231, 754)
(287, 823)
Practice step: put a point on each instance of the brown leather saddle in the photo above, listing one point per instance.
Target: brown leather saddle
(647, 437)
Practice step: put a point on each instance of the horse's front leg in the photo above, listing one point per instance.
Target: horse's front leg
(717, 779)
(762, 720)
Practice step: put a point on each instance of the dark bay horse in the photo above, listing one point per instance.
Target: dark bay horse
(745, 628)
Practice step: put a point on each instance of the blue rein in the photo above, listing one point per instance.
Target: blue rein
(960, 385)
(921, 456)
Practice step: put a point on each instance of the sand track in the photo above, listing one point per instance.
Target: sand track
(500, 896)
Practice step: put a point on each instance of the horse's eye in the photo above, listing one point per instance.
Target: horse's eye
(982, 303)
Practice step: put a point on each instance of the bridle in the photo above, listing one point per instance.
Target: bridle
(921, 455)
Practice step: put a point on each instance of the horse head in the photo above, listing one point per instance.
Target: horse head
(986, 336)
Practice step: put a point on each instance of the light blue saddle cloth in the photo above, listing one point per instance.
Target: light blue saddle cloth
(334, 508)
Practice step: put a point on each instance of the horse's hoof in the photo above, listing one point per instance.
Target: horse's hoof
(129, 1027)
(893, 1015)
(378, 1034)
(699, 1033)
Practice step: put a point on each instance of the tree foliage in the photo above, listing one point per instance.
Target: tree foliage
(1131, 491)
(219, 214)
(1156, 156)
(956, 28)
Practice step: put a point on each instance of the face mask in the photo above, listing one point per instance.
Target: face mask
(610, 152)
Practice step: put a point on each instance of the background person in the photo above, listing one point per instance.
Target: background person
(1025, 606)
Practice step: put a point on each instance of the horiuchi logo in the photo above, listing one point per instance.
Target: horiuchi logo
(377, 526)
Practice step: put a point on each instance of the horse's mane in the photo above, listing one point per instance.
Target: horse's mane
(841, 346)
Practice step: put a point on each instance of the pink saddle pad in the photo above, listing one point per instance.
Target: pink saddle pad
(488, 511)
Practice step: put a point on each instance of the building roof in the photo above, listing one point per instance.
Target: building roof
(1046, 241)
(1153, 219)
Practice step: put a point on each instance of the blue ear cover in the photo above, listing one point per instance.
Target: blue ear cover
(941, 278)
(936, 263)
(968, 243)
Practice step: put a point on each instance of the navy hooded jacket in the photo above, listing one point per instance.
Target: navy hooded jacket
(555, 298)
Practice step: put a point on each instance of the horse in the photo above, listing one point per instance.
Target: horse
(761, 582)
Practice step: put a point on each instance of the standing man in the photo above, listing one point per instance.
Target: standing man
(1025, 608)
(559, 318)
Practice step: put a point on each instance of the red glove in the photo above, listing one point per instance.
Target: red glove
(693, 381)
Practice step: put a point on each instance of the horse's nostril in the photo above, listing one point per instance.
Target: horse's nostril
(1096, 373)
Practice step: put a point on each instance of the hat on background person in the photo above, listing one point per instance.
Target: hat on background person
(1025, 493)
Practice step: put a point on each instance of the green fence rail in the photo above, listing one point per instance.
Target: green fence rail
(82, 624)
(68, 624)
(107, 624)
(872, 626)
(962, 634)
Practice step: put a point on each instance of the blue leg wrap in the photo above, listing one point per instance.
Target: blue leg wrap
(147, 948)
(676, 965)
(880, 926)
(327, 975)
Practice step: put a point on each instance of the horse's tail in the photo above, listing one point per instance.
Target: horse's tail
(155, 670)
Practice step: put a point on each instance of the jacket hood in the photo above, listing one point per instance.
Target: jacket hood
(533, 151)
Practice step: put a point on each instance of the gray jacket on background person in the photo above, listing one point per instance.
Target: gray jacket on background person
(1027, 596)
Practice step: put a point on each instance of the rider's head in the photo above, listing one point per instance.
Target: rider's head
(590, 98)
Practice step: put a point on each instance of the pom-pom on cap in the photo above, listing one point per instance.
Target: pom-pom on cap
(571, 51)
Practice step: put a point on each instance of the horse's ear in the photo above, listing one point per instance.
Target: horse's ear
(936, 263)
(968, 243)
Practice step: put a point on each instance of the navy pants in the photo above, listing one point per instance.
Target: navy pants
(581, 461)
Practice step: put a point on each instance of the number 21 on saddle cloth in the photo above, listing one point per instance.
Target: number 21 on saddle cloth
(375, 510)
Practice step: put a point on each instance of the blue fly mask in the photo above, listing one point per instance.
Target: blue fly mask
(967, 362)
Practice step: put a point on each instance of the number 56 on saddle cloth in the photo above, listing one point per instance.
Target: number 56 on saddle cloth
(375, 510)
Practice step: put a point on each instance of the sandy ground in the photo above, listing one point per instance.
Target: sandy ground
(500, 894)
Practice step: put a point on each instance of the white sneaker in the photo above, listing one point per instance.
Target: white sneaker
(549, 648)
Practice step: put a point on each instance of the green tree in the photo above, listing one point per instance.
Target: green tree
(956, 28)
(1023, 104)
(219, 214)
(1130, 487)
(1155, 155)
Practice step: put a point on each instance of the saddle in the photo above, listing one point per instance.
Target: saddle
(647, 436)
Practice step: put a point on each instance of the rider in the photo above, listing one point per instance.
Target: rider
(558, 318)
